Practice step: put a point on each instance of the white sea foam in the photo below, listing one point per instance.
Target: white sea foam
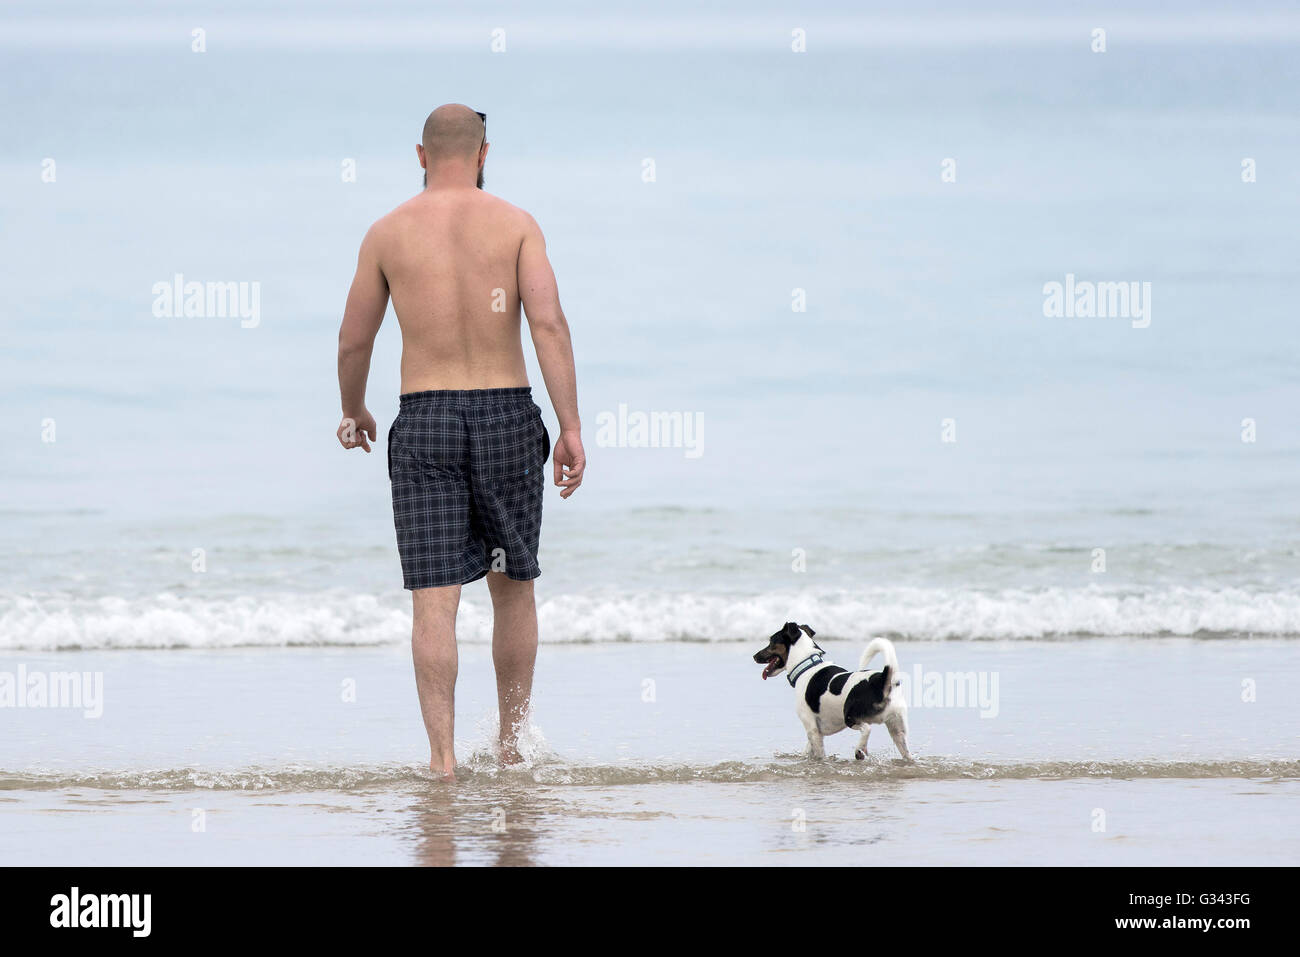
(336, 618)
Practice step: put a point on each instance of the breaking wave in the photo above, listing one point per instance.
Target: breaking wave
(46, 623)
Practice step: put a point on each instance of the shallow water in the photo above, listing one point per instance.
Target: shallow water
(709, 771)
(1148, 822)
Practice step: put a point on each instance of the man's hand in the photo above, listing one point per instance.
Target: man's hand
(360, 430)
(570, 460)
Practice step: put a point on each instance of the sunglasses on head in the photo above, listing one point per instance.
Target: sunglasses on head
(483, 117)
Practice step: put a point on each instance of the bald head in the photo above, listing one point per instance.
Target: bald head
(451, 131)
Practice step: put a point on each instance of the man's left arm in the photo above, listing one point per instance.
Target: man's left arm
(367, 302)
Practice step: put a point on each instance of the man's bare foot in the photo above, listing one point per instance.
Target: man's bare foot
(509, 753)
(445, 771)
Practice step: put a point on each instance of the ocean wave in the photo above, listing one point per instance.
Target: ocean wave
(47, 623)
(791, 767)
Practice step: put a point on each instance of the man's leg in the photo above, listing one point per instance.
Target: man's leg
(514, 652)
(433, 646)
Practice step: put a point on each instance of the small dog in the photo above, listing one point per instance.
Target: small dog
(832, 699)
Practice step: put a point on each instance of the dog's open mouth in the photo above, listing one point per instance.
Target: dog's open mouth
(774, 664)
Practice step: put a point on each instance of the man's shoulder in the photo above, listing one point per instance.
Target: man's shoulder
(398, 214)
(397, 221)
(419, 206)
(509, 211)
(385, 224)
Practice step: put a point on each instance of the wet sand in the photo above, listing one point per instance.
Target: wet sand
(1130, 752)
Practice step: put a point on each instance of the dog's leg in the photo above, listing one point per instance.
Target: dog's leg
(816, 747)
(861, 751)
(897, 725)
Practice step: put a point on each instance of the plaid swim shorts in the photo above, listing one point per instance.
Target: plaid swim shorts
(467, 470)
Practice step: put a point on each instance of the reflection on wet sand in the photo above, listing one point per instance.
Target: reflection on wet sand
(476, 825)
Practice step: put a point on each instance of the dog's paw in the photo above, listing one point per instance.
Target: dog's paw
(860, 755)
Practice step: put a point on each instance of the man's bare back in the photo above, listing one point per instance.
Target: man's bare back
(451, 258)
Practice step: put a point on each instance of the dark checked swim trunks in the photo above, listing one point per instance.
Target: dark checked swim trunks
(467, 474)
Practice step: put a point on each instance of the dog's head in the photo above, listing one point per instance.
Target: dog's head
(776, 655)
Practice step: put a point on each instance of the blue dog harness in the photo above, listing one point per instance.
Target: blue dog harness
(812, 661)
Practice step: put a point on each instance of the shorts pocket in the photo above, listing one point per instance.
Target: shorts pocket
(506, 446)
(392, 436)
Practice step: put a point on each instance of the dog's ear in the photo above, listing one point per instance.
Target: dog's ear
(791, 632)
(807, 631)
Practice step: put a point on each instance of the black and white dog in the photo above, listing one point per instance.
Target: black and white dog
(832, 699)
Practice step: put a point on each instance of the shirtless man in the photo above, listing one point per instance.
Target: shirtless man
(467, 449)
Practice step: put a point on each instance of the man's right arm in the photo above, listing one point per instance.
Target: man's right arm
(550, 331)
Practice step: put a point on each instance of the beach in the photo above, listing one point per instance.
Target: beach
(283, 770)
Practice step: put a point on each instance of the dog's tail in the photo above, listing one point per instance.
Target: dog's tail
(885, 647)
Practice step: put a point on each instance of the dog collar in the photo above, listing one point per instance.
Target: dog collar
(810, 662)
